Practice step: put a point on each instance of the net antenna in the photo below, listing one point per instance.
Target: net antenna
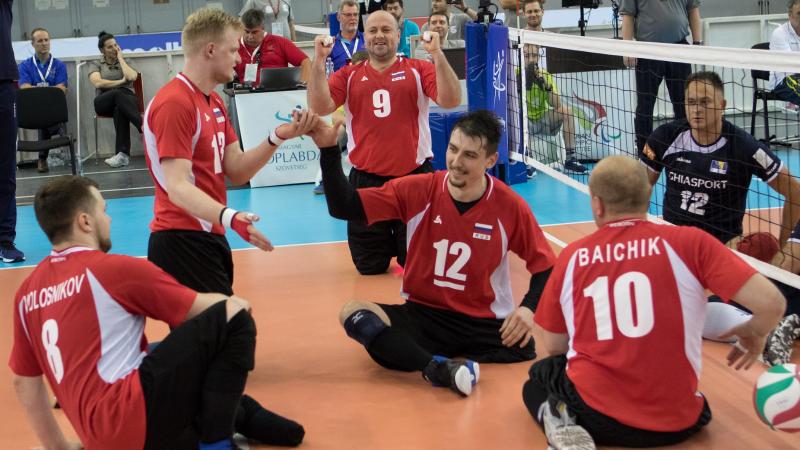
(582, 4)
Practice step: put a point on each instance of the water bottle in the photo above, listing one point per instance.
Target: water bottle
(328, 67)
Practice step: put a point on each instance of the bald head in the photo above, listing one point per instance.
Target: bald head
(621, 183)
(382, 35)
(378, 18)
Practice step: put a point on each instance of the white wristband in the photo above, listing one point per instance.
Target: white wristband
(274, 139)
(227, 217)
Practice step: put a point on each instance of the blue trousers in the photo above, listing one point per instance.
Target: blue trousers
(8, 160)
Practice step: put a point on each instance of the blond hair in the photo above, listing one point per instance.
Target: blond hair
(622, 184)
(206, 25)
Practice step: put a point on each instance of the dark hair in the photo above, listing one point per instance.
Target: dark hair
(253, 18)
(393, 1)
(484, 125)
(706, 77)
(57, 201)
(446, 19)
(527, 2)
(39, 29)
(102, 38)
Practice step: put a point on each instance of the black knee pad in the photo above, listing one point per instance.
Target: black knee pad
(363, 325)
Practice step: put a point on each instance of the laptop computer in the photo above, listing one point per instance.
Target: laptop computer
(457, 57)
(280, 79)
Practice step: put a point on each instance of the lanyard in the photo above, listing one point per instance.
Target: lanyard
(275, 9)
(347, 50)
(251, 55)
(47, 72)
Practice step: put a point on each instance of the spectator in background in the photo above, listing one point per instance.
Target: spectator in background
(113, 77)
(666, 21)
(367, 7)
(349, 40)
(8, 140)
(787, 38)
(279, 18)
(43, 70)
(457, 21)
(407, 27)
(259, 49)
(438, 22)
(534, 13)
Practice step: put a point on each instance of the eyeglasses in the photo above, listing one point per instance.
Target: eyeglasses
(350, 15)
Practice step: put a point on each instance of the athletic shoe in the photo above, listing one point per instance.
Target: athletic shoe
(118, 160)
(319, 189)
(572, 165)
(531, 172)
(9, 253)
(780, 341)
(562, 430)
(41, 166)
(460, 375)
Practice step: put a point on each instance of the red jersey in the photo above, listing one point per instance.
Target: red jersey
(79, 319)
(631, 298)
(181, 122)
(274, 51)
(388, 133)
(460, 262)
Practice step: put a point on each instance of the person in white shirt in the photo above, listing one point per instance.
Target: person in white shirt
(787, 38)
(279, 16)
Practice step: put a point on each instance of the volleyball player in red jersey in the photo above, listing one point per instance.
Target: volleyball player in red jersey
(79, 321)
(462, 223)
(623, 314)
(386, 101)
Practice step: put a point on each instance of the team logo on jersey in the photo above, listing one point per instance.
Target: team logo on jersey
(399, 76)
(364, 78)
(482, 231)
(649, 152)
(438, 219)
(207, 118)
(720, 167)
(684, 160)
(218, 114)
(762, 158)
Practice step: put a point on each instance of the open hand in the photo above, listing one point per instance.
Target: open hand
(518, 327)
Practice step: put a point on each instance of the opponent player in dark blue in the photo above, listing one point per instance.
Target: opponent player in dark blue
(709, 163)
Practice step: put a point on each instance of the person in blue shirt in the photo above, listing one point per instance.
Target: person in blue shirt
(407, 27)
(349, 40)
(40, 70)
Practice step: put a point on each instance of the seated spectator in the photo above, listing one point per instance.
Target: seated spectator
(260, 49)
(279, 18)
(546, 114)
(439, 23)
(113, 77)
(349, 40)
(43, 70)
(456, 21)
(407, 27)
(787, 38)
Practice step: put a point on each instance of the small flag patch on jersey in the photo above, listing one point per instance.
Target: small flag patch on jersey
(399, 76)
(218, 114)
(720, 167)
(482, 231)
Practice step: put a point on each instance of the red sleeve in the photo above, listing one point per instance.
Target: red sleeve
(22, 360)
(400, 198)
(173, 121)
(293, 55)
(717, 267)
(145, 289)
(427, 72)
(549, 314)
(528, 240)
(337, 84)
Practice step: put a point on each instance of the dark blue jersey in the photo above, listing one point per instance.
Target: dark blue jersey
(8, 66)
(707, 185)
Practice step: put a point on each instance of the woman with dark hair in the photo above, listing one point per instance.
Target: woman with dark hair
(113, 77)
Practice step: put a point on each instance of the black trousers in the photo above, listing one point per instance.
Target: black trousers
(8, 160)
(372, 247)
(195, 377)
(47, 133)
(649, 74)
(548, 378)
(789, 89)
(198, 260)
(121, 104)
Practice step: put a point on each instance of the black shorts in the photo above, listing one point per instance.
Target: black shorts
(548, 377)
(172, 378)
(452, 334)
(198, 260)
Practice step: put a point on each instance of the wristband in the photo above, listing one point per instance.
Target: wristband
(226, 216)
(274, 139)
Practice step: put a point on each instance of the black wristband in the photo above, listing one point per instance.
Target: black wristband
(221, 212)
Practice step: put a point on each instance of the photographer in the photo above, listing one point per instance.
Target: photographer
(457, 21)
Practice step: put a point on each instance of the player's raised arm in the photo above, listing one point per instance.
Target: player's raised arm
(319, 95)
(447, 85)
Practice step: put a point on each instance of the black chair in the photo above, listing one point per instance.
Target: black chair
(44, 107)
(765, 95)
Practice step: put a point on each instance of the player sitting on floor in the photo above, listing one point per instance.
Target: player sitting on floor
(461, 223)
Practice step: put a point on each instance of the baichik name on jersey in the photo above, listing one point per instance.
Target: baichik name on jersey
(53, 294)
(618, 252)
